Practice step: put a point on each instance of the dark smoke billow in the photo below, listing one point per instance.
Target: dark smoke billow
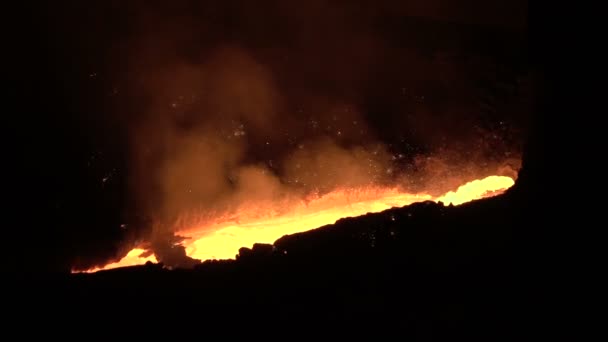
(217, 104)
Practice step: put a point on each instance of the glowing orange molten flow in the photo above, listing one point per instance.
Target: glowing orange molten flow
(137, 256)
(222, 237)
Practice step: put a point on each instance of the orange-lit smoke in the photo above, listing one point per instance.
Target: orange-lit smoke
(220, 237)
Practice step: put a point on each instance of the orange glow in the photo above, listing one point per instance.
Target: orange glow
(261, 224)
(479, 188)
(137, 256)
(222, 236)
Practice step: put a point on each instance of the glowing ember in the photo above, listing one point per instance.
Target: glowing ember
(221, 237)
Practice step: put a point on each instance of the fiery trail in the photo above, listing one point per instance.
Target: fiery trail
(137, 256)
(221, 237)
(476, 189)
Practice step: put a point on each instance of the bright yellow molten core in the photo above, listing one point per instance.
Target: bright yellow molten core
(479, 188)
(136, 256)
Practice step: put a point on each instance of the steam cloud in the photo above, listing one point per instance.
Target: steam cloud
(223, 104)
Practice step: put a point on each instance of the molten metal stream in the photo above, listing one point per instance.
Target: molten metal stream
(221, 237)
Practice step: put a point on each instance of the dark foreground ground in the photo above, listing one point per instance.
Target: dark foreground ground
(425, 271)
